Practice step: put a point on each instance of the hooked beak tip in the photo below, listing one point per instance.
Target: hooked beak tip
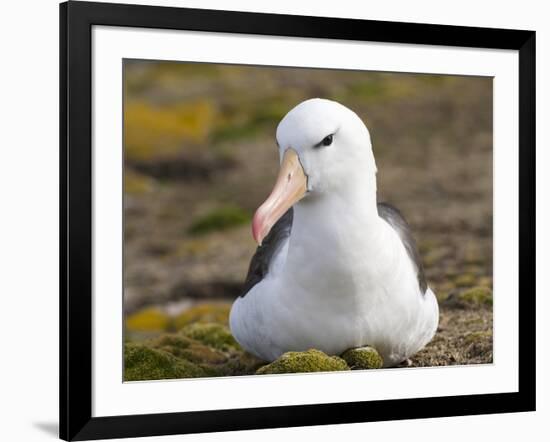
(258, 226)
(256, 230)
(290, 187)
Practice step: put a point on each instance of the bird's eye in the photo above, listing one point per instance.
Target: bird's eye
(327, 141)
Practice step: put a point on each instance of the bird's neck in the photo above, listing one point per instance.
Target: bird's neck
(337, 243)
(337, 223)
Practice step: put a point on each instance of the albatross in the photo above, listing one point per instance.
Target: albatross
(333, 269)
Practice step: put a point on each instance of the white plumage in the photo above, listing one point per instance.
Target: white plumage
(343, 278)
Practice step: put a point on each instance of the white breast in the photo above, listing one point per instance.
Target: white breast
(337, 285)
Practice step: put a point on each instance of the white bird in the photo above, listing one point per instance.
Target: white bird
(334, 270)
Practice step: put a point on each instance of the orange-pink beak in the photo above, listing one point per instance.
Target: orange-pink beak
(290, 187)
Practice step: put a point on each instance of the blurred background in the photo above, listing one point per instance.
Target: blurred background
(200, 156)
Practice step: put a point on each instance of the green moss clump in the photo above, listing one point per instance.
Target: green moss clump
(200, 350)
(362, 358)
(185, 357)
(144, 363)
(189, 349)
(222, 218)
(214, 335)
(478, 296)
(304, 362)
(474, 297)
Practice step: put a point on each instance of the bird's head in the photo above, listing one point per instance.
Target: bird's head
(324, 148)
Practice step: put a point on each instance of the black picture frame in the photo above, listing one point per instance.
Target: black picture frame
(76, 21)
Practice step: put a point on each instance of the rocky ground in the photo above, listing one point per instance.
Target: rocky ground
(200, 156)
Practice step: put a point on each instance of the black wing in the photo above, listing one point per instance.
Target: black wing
(394, 218)
(259, 265)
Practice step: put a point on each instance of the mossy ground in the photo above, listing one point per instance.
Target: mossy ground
(198, 350)
(207, 349)
(214, 335)
(142, 362)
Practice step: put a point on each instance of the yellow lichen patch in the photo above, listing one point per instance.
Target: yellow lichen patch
(157, 132)
(136, 183)
(203, 313)
(146, 320)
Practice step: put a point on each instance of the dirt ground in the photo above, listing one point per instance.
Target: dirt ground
(200, 156)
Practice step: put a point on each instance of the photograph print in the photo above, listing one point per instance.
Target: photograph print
(284, 220)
